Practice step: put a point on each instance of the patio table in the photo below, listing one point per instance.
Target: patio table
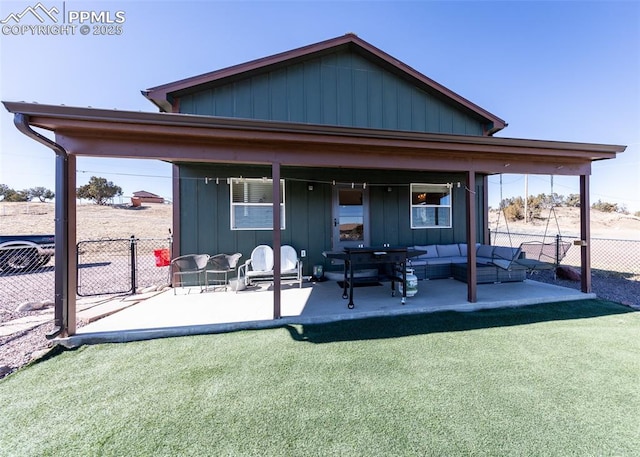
(396, 256)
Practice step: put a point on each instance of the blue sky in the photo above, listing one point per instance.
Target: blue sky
(566, 71)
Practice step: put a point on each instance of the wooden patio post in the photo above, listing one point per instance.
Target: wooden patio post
(275, 175)
(472, 276)
(585, 235)
(72, 259)
(486, 234)
(175, 246)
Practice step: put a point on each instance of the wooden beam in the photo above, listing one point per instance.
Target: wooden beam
(486, 234)
(277, 239)
(71, 263)
(175, 246)
(317, 151)
(585, 235)
(472, 274)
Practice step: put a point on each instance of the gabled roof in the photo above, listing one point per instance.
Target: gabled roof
(164, 95)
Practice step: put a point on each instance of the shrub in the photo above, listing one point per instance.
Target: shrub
(607, 207)
(573, 201)
(513, 208)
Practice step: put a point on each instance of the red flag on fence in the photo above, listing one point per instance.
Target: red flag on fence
(163, 257)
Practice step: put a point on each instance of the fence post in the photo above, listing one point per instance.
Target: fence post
(133, 264)
(170, 279)
(557, 250)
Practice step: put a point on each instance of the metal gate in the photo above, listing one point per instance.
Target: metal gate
(121, 266)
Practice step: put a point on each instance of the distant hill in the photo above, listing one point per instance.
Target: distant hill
(603, 225)
(151, 220)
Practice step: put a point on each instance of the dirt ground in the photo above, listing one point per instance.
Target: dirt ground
(154, 221)
(94, 221)
(567, 221)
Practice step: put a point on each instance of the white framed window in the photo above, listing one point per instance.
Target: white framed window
(252, 204)
(430, 206)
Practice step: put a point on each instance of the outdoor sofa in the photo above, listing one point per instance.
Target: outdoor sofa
(494, 263)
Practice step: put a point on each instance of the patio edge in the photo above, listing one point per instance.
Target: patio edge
(126, 336)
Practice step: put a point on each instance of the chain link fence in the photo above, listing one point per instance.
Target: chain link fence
(618, 256)
(105, 267)
(122, 266)
(26, 275)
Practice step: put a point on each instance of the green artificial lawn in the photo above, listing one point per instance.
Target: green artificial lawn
(556, 379)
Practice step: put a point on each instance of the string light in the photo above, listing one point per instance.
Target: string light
(333, 182)
(229, 180)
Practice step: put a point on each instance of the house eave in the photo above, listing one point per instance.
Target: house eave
(111, 126)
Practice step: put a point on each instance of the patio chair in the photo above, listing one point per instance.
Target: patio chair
(290, 265)
(182, 267)
(219, 267)
(258, 267)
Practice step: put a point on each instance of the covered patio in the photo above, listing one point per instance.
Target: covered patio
(307, 124)
(189, 312)
(204, 139)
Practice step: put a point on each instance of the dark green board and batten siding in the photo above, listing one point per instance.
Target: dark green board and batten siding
(205, 210)
(339, 89)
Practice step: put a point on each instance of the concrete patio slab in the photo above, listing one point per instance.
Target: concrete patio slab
(23, 324)
(189, 312)
(107, 307)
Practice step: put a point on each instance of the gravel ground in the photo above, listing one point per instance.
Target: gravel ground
(606, 285)
(18, 350)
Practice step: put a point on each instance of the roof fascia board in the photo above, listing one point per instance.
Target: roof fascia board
(498, 123)
(173, 150)
(192, 81)
(160, 95)
(452, 145)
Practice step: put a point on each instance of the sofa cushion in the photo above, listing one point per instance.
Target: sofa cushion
(505, 253)
(431, 251)
(459, 259)
(448, 250)
(502, 263)
(439, 261)
(485, 250)
(463, 249)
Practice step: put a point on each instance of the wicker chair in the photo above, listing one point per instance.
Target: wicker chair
(193, 265)
(219, 267)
